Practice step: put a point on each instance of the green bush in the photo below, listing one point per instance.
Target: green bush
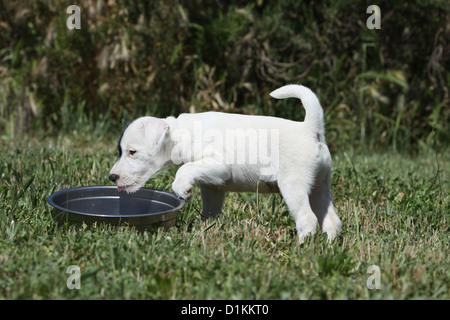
(384, 88)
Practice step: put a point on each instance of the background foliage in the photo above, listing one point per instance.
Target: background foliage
(384, 88)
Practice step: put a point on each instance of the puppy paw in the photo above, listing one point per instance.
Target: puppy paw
(182, 189)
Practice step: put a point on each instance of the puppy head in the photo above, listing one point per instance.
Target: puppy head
(141, 153)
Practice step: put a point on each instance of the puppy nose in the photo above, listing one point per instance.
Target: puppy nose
(113, 177)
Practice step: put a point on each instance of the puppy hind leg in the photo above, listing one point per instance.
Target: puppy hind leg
(298, 203)
(331, 223)
(322, 206)
(212, 199)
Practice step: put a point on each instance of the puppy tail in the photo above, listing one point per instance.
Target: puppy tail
(314, 111)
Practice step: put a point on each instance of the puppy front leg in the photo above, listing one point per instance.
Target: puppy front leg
(183, 183)
(202, 173)
(212, 200)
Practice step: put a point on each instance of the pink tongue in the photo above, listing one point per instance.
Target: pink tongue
(119, 189)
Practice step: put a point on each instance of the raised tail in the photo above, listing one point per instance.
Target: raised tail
(314, 111)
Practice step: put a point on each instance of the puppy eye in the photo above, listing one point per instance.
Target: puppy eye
(132, 152)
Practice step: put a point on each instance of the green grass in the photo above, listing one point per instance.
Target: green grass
(394, 211)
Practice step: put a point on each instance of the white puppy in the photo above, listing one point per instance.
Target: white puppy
(231, 152)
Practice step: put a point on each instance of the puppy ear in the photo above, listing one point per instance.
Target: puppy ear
(155, 133)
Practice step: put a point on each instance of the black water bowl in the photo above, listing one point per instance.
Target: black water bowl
(105, 204)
